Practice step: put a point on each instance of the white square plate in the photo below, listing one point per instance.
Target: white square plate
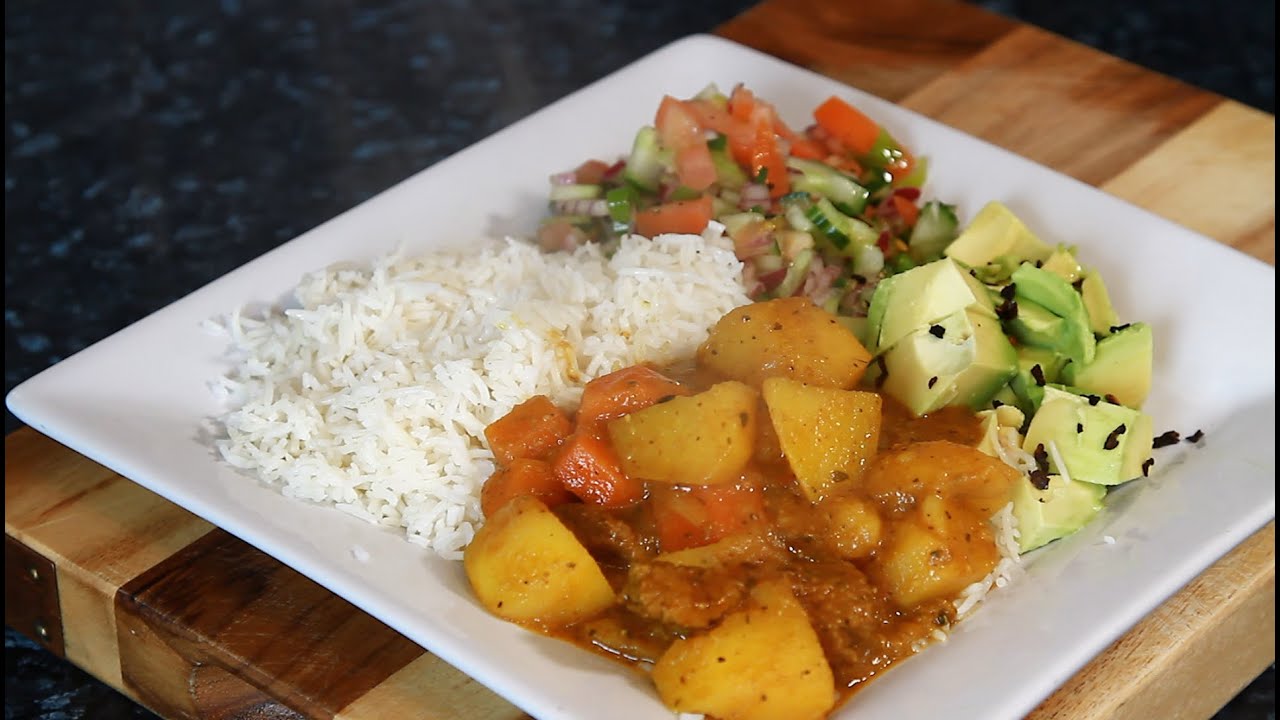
(138, 401)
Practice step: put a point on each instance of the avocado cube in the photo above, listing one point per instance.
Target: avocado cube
(996, 231)
(1121, 367)
(1060, 509)
(915, 299)
(1063, 263)
(1097, 302)
(963, 359)
(1099, 442)
(1051, 292)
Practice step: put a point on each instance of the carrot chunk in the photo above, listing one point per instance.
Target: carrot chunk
(587, 465)
(522, 477)
(531, 430)
(624, 391)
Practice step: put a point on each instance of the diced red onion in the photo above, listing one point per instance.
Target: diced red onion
(568, 177)
(754, 194)
(908, 193)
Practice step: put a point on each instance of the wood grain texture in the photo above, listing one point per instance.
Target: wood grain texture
(1217, 177)
(1079, 111)
(889, 49)
(196, 624)
(97, 527)
(223, 604)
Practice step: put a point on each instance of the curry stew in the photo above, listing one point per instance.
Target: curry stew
(756, 533)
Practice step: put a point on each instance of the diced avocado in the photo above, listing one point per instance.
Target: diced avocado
(921, 296)
(1121, 367)
(997, 271)
(1036, 326)
(1005, 396)
(1063, 263)
(1091, 436)
(1102, 317)
(996, 231)
(1005, 416)
(1060, 509)
(1029, 383)
(1138, 450)
(962, 359)
(1058, 297)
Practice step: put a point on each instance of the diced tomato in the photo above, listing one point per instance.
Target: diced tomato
(697, 515)
(742, 102)
(591, 172)
(766, 157)
(678, 130)
(587, 465)
(907, 210)
(681, 216)
(522, 477)
(531, 430)
(624, 391)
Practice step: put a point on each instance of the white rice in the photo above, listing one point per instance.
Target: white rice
(373, 395)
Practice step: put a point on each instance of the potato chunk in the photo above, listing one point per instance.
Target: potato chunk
(935, 553)
(787, 337)
(702, 439)
(828, 435)
(761, 663)
(526, 566)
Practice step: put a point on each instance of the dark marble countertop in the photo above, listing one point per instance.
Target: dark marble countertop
(152, 147)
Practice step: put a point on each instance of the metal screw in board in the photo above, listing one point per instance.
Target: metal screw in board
(34, 572)
(42, 631)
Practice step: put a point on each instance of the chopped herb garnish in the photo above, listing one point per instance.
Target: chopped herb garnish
(1146, 466)
(762, 177)
(1166, 439)
(1079, 428)
(1196, 436)
(1093, 399)
(937, 331)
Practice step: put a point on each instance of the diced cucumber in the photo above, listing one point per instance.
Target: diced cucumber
(575, 192)
(821, 179)
(843, 232)
(648, 160)
(796, 273)
(728, 174)
(934, 230)
(734, 222)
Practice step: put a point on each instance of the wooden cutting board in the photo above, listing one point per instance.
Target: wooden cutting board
(194, 623)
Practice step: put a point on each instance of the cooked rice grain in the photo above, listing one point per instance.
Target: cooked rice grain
(374, 393)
